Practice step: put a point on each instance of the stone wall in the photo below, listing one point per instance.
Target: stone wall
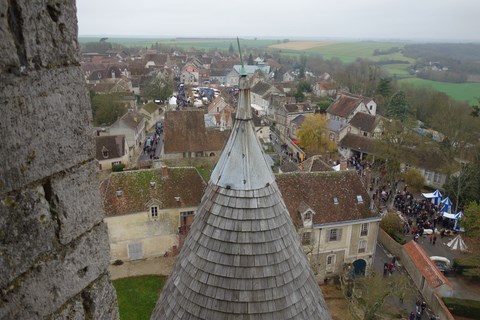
(54, 250)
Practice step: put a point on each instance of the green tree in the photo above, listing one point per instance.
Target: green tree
(373, 295)
(398, 107)
(230, 48)
(385, 87)
(106, 108)
(250, 60)
(323, 105)
(471, 219)
(159, 87)
(391, 223)
(395, 144)
(414, 179)
(313, 135)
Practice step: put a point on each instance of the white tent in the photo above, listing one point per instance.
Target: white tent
(435, 197)
(447, 205)
(457, 243)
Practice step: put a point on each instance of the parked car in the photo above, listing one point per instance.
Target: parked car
(442, 263)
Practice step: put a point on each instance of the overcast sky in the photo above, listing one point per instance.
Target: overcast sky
(354, 19)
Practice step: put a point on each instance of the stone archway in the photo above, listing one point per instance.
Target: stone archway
(359, 266)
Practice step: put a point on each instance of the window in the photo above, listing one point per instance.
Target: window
(362, 246)
(187, 213)
(334, 235)
(364, 230)
(307, 215)
(359, 199)
(154, 212)
(436, 177)
(135, 251)
(105, 153)
(330, 265)
(306, 238)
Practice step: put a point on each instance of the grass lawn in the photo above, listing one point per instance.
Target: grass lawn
(137, 296)
(459, 91)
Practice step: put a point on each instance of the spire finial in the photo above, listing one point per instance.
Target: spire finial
(242, 69)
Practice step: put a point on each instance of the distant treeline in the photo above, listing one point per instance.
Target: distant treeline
(380, 52)
(458, 57)
(391, 61)
(443, 76)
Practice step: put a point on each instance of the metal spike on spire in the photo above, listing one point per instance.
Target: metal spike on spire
(242, 69)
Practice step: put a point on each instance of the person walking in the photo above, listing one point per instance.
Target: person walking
(434, 239)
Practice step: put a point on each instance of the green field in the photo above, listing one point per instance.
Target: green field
(205, 44)
(459, 91)
(137, 296)
(350, 51)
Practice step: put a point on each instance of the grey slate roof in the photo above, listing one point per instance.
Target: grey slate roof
(242, 258)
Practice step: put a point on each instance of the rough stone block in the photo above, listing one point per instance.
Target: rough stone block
(49, 284)
(38, 34)
(45, 125)
(100, 300)
(77, 201)
(72, 310)
(27, 230)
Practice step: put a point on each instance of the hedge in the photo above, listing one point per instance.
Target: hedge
(463, 307)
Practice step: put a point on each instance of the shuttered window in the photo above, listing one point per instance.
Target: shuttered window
(334, 234)
(135, 251)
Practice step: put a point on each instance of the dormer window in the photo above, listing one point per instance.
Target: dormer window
(335, 200)
(359, 199)
(105, 152)
(154, 212)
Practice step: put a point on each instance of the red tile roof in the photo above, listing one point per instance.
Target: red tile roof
(185, 132)
(113, 145)
(344, 106)
(422, 261)
(358, 143)
(364, 121)
(185, 183)
(317, 190)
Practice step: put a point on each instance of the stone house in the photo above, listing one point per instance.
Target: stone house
(295, 125)
(288, 77)
(347, 105)
(185, 136)
(111, 150)
(148, 212)
(152, 113)
(132, 126)
(286, 113)
(361, 124)
(234, 74)
(260, 95)
(189, 78)
(325, 89)
(334, 217)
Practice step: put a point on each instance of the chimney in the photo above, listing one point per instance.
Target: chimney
(164, 171)
(343, 164)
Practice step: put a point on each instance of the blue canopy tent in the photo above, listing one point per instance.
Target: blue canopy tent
(435, 197)
(446, 205)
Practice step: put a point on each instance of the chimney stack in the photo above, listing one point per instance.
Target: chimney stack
(164, 171)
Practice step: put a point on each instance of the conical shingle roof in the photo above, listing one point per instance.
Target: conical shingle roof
(242, 258)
